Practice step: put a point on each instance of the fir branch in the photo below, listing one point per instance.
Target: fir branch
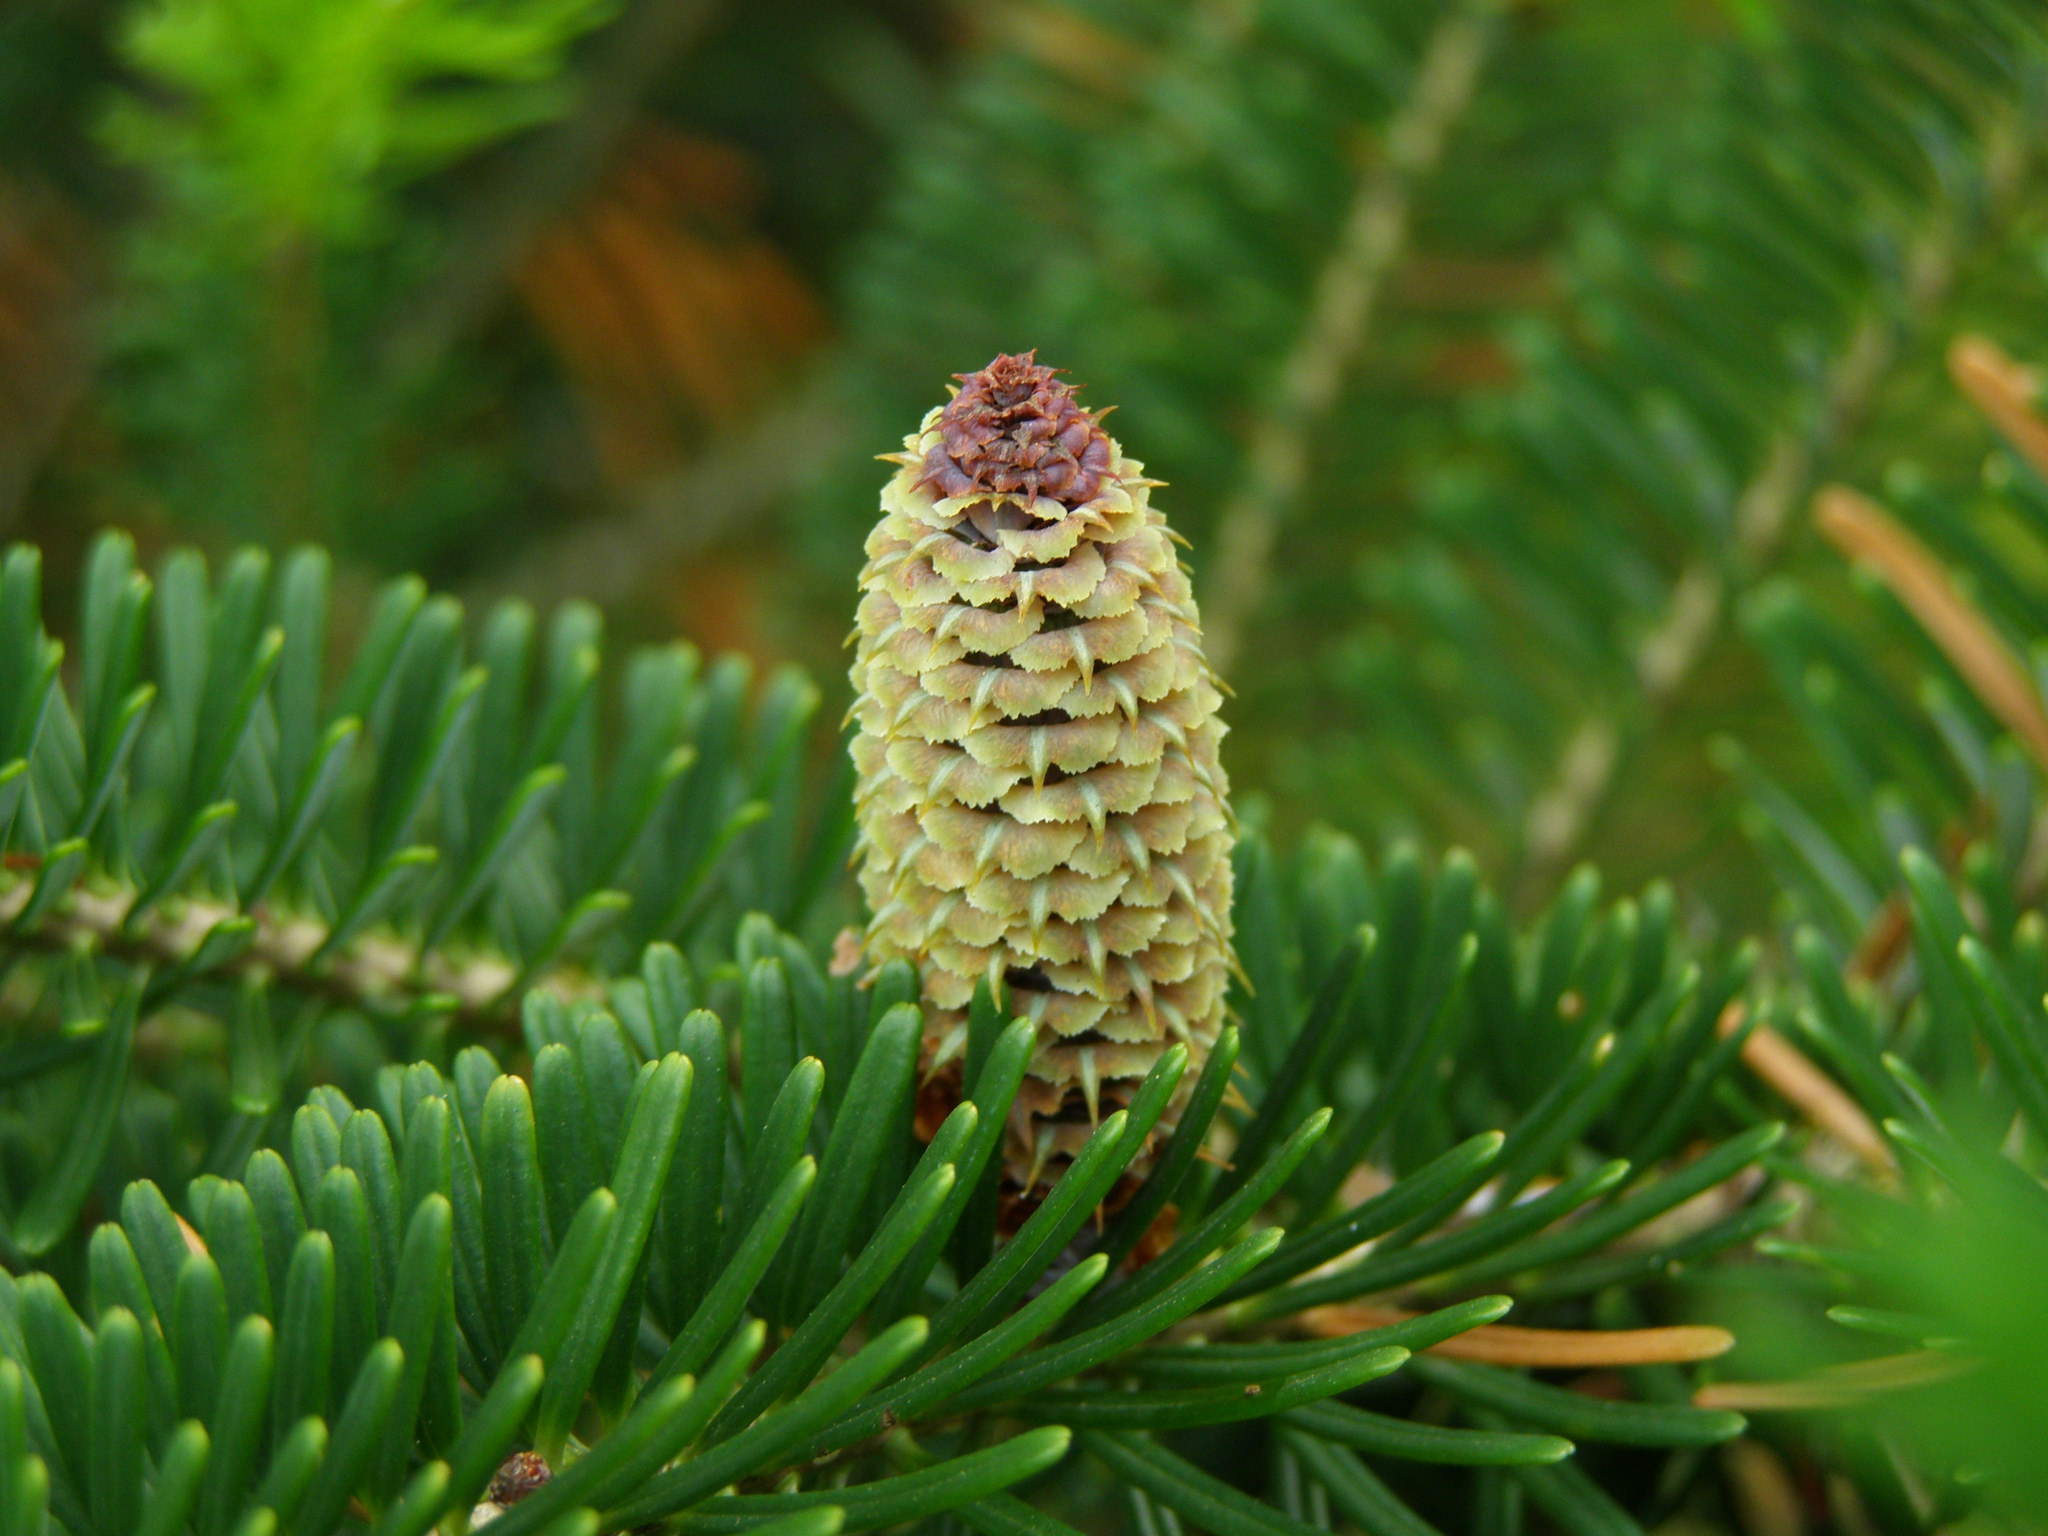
(376, 972)
(1337, 324)
(446, 1181)
(204, 806)
(1669, 653)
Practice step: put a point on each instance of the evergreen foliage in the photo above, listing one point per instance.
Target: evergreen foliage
(391, 1298)
(204, 823)
(245, 1297)
(425, 85)
(1913, 878)
(277, 140)
(1739, 300)
(436, 1083)
(357, 1309)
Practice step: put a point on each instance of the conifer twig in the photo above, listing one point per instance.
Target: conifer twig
(373, 971)
(1667, 656)
(1337, 322)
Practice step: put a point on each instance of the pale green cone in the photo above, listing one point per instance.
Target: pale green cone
(1040, 799)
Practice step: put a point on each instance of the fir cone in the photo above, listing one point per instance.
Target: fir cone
(1040, 800)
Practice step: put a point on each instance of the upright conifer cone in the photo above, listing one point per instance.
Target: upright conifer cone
(1040, 799)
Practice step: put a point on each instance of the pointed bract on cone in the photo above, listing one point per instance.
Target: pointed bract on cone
(1040, 799)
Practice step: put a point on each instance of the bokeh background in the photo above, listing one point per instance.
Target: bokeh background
(1492, 351)
(1495, 352)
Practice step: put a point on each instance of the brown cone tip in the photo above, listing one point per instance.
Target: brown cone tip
(1015, 428)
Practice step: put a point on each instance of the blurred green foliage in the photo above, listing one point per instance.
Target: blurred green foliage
(292, 124)
(1493, 353)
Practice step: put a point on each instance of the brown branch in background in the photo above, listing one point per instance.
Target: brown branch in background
(1809, 1090)
(672, 316)
(1334, 329)
(1838, 1386)
(2005, 392)
(1537, 1348)
(1867, 534)
(1666, 658)
(680, 328)
(535, 181)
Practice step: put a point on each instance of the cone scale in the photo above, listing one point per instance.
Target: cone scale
(1039, 797)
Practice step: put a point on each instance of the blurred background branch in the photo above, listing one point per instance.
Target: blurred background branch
(502, 219)
(675, 515)
(1561, 819)
(1337, 324)
(48, 289)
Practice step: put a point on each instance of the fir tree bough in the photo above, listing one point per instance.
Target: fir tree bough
(590, 1260)
(210, 842)
(347, 1309)
(1914, 870)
